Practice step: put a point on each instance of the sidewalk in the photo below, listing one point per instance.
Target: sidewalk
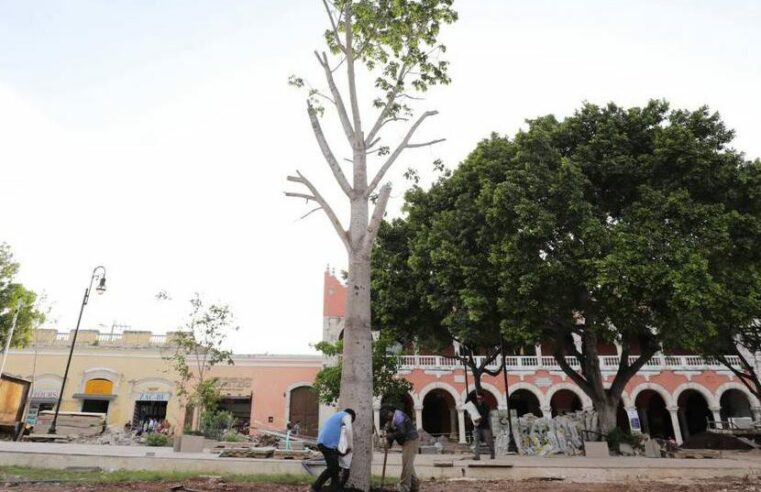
(61, 456)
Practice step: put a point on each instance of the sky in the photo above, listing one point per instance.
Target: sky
(154, 137)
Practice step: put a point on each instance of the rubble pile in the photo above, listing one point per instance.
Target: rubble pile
(541, 436)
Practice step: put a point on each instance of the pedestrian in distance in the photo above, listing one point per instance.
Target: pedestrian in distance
(482, 432)
(400, 428)
(330, 444)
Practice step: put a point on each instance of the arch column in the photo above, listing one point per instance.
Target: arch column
(419, 416)
(461, 423)
(756, 411)
(376, 415)
(675, 424)
(716, 412)
(546, 411)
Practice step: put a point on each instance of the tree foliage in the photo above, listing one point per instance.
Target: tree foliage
(13, 296)
(614, 225)
(197, 347)
(386, 381)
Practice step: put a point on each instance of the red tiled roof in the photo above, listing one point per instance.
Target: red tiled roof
(334, 297)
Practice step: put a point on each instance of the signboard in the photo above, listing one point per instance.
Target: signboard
(152, 397)
(634, 423)
(43, 394)
(235, 386)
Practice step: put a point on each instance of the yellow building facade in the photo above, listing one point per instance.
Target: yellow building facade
(122, 375)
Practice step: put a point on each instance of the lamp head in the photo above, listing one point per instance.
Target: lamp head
(101, 288)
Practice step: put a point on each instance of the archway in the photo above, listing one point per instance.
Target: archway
(524, 401)
(734, 404)
(439, 413)
(304, 410)
(653, 414)
(693, 413)
(565, 401)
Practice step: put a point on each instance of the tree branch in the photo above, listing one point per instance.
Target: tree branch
(316, 196)
(350, 56)
(300, 195)
(426, 144)
(327, 153)
(378, 213)
(334, 26)
(340, 106)
(394, 155)
(390, 99)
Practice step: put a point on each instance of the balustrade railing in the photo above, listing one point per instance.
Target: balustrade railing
(531, 362)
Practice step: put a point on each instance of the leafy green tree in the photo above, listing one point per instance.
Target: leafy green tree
(735, 335)
(196, 348)
(396, 42)
(386, 381)
(614, 226)
(13, 296)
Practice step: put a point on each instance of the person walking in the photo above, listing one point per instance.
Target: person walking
(328, 443)
(400, 428)
(482, 431)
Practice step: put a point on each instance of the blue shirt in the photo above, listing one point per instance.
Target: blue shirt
(331, 430)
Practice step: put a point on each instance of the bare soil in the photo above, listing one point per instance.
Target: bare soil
(728, 485)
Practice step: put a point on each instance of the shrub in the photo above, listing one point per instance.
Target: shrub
(214, 423)
(618, 436)
(233, 436)
(156, 439)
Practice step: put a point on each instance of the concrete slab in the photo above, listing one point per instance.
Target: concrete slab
(579, 469)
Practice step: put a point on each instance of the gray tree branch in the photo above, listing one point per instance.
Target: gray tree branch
(328, 154)
(316, 196)
(338, 100)
(375, 221)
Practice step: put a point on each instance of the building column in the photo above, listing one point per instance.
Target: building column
(376, 419)
(419, 416)
(674, 413)
(546, 411)
(453, 423)
(716, 411)
(756, 412)
(461, 424)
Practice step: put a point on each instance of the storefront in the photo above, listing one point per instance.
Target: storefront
(44, 396)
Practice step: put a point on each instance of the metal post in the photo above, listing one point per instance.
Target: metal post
(101, 288)
(511, 447)
(52, 428)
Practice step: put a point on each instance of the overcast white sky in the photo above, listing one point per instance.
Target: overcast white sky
(154, 137)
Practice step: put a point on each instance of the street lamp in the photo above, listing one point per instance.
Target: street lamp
(511, 446)
(99, 274)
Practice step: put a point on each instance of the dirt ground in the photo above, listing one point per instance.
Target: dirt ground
(729, 485)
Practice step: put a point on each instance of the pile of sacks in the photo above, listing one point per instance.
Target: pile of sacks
(541, 436)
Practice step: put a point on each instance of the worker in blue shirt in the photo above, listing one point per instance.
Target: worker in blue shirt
(331, 445)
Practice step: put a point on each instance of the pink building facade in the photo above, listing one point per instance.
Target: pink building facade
(673, 395)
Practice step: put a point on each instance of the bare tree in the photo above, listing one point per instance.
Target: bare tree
(396, 42)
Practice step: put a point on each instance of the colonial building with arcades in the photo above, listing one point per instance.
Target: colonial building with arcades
(126, 376)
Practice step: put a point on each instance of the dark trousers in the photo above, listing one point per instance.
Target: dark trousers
(483, 436)
(331, 472)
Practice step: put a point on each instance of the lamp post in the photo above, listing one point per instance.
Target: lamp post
(99, 274)
(511, 447)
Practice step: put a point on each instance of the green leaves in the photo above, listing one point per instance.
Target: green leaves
(12, 296)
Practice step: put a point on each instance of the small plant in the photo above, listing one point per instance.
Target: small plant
(233, 436)
(155, 439)
(215, 423)
(618, 436)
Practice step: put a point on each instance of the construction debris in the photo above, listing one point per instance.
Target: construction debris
(73, 424)
(540, 436)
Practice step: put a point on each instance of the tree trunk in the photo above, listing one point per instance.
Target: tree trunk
(357, 375)
(607, 413)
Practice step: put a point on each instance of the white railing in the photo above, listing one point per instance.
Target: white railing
(531, 362)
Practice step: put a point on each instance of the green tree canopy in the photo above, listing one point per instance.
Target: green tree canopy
(13, 295)
(614, 225)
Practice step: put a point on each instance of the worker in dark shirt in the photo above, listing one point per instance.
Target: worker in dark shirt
(400, 428)
(482, 431)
